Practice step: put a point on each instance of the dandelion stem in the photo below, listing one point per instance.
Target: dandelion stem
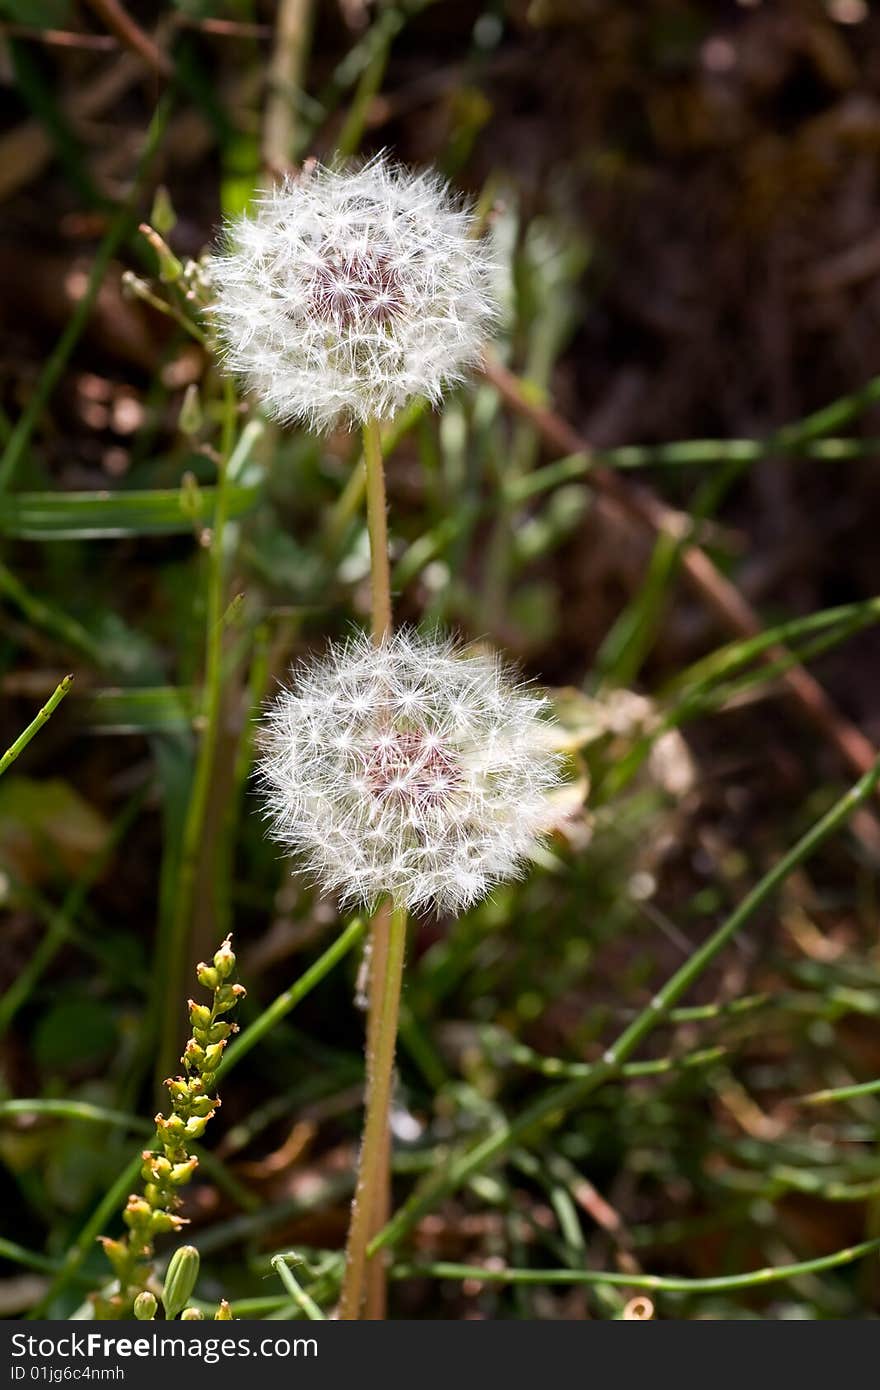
(375, 1299)
(378, 1199)
(377, 526)
(371, 1172)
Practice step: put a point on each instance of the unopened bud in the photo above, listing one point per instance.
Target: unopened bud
(224, 960)
(191, 1315)
(170, 267)
(145, 1306)
(199, 1016)
(190, 421)
(180, 1279)
(117, 1253)
(162, 214)
(137, 1213)
(182, 1172)
(213, 1055)
(206, 974)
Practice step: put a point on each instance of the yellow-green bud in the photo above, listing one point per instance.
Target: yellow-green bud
(155, 1166)
(137, 1213)
(180, 1279)
(207, 975)
(117, 1253)
(191, 1315)
(194, 1054)
(170, 268)
(182, 1172)
(145, 1306)
(170, 1127)
(162, 215)
(199, 1015)
(213, 1055)
(163, 1221)
(204, 1105)
(189, 421)
(224, 1312)
(224, 960)
(218, 1032)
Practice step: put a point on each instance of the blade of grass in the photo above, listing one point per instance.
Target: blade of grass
(758, 1278)
(42, 717)
(175, 946)
(63, 516)
(294, 1288)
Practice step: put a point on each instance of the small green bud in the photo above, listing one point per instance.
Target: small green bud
(224, 1312)
(162, 214)
(212, 1056)
(137, 1214)
(190, 421)
(178, 1087)
(170, 268)
(194, 1055)
(226, 997)
(192, 1315)
(180, 1279)
(161, 1222)
(118, 1254)
(155, 1166)
(224, 960)
(204, 1105)
(190, 497)
(145, 1306)
(218, 1032)
(199, 1016)
(182, 1172)
(206, 974)
(170, 1126)
(196, 1125)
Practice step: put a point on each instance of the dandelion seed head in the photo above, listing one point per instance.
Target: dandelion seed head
(347, 293)
(411, 768)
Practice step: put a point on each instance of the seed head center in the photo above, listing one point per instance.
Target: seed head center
(350, 289)
(411, 768)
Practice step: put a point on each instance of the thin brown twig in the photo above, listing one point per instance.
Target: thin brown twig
(117, 19)
(724, 598)
(60, 38)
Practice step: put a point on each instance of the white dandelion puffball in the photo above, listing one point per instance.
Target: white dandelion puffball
(347, 293)
(411, 769)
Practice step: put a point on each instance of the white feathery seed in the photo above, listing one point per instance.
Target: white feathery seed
(348, 293)
(410, 768)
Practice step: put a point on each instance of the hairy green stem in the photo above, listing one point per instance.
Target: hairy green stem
(371, 1171)
(377, 525)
